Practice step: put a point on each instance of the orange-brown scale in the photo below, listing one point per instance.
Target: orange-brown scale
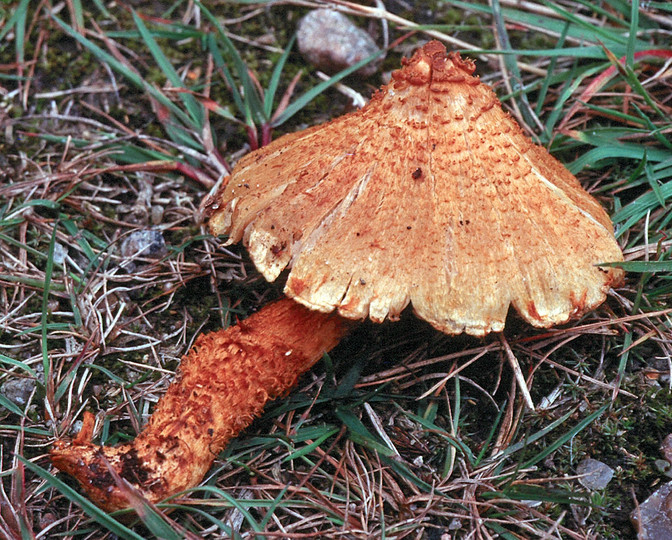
(224, 383)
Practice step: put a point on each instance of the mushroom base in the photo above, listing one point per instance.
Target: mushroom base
(223, 384)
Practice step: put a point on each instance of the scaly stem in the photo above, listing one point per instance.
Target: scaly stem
(224, 383)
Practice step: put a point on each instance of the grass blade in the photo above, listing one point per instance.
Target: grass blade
(316, 90)
(95, 513)
(269, 96)
(566, 437)
(193, 107)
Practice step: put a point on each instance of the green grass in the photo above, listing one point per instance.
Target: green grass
(396, 433)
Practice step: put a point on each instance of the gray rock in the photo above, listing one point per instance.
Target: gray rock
(331, 42)
(148, 244)
(60, 253)
(17, 389)
(666, 447)
(653, 518)
(596, 475)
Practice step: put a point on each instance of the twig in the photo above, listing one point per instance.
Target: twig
(520, 379)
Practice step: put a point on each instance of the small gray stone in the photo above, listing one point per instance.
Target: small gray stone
(60, 253)
(148, 244)
(455, 524)
(595, 474)
(666, 447)
(18, 388)
(653, 518)
(331, 42)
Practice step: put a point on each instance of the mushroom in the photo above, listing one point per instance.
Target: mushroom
(429, 195)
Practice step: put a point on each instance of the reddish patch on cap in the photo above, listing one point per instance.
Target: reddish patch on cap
(532, 310)
(296, 285)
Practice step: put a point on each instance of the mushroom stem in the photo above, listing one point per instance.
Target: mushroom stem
(224, 383)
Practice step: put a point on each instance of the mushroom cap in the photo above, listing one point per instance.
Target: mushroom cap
(430, 194)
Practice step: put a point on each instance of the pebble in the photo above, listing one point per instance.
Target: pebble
(60, 253)
(331, 42)
(18, 389)
(653, 518)
(596, 475)
(148, 244)
(666, 447)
